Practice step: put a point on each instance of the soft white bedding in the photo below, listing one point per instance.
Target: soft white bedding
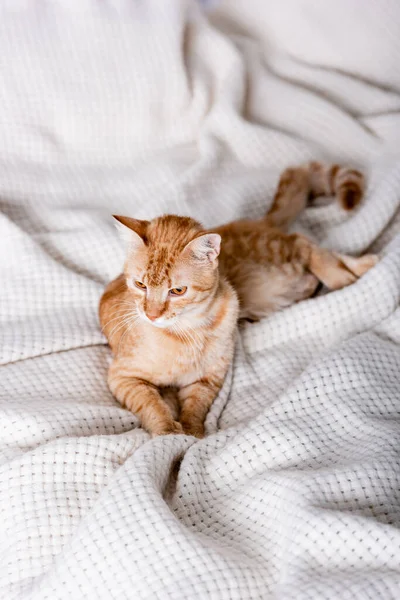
(143, 107)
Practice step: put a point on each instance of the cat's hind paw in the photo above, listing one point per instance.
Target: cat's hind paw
(359, 266)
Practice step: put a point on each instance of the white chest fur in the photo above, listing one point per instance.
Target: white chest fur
(166, 360)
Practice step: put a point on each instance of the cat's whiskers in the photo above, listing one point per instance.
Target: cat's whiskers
(185, 336)
(129, 327)
(125, 303)
(124, 322)
(120, 312)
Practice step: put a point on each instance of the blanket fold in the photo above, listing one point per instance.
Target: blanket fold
(195, 108)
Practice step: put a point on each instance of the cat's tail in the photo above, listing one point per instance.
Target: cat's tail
(299, 184)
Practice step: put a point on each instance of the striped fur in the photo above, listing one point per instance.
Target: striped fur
(171, 353)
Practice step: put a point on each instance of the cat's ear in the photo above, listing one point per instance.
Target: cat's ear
(132, 231)
(204, 248)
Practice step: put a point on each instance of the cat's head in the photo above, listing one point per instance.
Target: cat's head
(170, 268)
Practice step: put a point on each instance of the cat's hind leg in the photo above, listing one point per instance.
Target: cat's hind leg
(298, 184)
(333, 270)
(265, 289)
(290, 199)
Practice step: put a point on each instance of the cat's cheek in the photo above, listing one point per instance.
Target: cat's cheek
(179, 308)
(137, 297)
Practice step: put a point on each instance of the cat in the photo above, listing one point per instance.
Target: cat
(171, 317)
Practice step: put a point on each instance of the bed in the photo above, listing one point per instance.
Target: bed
(193, 107)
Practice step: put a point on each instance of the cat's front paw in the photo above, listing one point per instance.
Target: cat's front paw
(173, 428)
(195, 429)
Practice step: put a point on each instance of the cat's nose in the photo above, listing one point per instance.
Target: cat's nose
(152, 316)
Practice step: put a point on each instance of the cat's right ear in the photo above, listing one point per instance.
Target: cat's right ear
(132, 231)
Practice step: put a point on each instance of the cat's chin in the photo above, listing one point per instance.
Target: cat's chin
(160, 323)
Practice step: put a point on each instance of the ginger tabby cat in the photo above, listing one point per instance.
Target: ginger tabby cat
(170, 318)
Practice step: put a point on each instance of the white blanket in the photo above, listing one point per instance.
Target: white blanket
(143, 107)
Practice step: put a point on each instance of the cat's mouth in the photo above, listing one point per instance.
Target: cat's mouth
(160, 322)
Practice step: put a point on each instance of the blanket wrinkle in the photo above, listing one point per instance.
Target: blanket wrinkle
(195, 108)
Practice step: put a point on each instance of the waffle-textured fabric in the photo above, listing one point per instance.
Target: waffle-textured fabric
(143, 107)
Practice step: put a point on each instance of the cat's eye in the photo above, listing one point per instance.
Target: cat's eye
(140, 285)
(178, 291)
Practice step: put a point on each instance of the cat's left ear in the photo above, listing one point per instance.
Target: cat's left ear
(204, 248)
(132, 231)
